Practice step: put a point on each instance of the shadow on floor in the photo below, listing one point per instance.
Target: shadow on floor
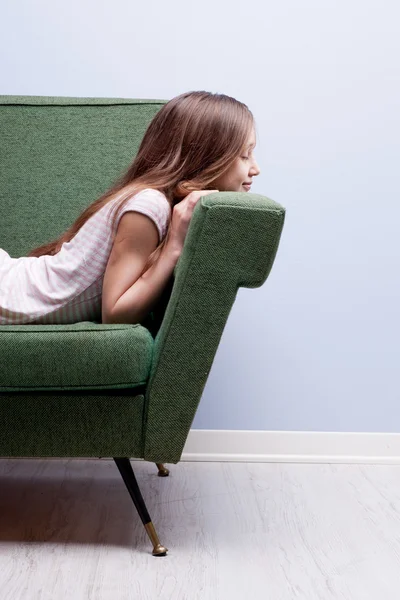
(87, 503)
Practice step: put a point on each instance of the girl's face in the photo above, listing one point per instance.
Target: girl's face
(239, 176)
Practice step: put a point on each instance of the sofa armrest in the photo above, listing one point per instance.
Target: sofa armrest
(232, 242)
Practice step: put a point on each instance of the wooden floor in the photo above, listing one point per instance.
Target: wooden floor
(69, 530)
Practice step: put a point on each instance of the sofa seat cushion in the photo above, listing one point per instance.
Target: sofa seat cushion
(81, 356)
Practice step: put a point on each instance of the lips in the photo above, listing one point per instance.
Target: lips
(247, 186)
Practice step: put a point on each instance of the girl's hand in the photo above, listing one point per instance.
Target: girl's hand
(181, 216)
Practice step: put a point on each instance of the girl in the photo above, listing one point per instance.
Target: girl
(114, 262)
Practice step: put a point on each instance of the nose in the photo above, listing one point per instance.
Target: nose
(255, 169)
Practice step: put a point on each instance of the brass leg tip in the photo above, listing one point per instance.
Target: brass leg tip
(162, 471)
(159, 550)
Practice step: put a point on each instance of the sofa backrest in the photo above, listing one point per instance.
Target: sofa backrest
(57, 155)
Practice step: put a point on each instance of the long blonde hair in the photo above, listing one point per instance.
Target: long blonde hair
(192, 140)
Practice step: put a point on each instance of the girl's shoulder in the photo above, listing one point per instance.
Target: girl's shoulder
(145, 195)
(152, 203)
(151, 193)
(151, 198)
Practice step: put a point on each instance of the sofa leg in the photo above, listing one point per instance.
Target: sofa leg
(162, 471)
(125, 468)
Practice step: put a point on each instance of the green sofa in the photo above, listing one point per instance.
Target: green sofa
(94, 390)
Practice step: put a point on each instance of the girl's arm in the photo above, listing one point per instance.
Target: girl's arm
(126, 297)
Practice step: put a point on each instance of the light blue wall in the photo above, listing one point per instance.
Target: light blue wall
(318, 346)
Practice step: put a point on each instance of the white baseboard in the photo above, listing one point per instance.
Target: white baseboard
(292, 446)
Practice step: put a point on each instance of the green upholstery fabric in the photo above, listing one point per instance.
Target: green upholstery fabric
(72, 357)
(51, 425)
(232, 242)
(57, 155)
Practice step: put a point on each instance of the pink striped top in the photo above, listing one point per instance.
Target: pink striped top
(67, 287)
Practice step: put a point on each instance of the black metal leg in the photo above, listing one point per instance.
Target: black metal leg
(125, 468)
